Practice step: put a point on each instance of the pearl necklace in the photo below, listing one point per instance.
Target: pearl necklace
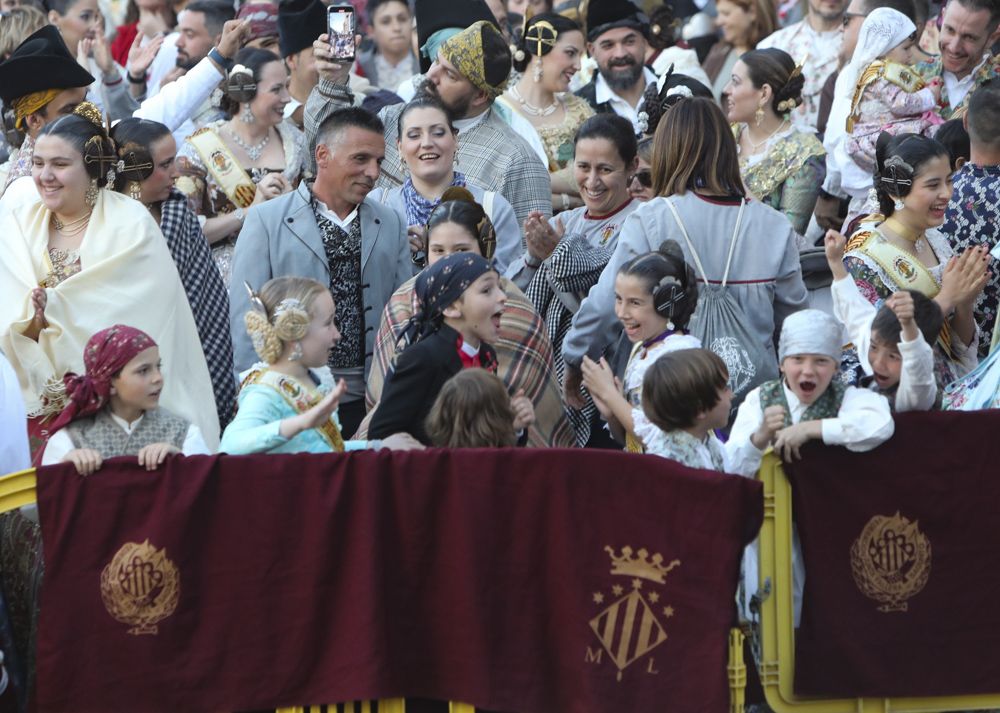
(72, 228)
(255, 151)
(531, 109)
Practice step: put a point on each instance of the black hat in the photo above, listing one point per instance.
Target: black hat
(300, 23)
(41, 62)
(604, 15)
(434, 15)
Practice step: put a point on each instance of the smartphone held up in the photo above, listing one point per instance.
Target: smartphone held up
(341, 27)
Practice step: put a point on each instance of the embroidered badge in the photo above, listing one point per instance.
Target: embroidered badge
(905, 269)
(891, 561)
(607, 232)
(140, 587)
(631, 626)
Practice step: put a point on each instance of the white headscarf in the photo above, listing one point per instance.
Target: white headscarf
(810, 331)
(882, 30)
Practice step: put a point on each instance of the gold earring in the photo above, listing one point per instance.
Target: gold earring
(759, 115)
(134, 189)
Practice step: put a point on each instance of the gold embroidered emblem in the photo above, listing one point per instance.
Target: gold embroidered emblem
(140, 586)
(905, 269)
(891, 561)
(630, 628)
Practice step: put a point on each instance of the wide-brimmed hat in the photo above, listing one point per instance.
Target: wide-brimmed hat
(41, 62)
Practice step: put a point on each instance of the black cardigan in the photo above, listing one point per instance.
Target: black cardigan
(411, 388)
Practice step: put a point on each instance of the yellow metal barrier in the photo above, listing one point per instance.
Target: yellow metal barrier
(777, 633)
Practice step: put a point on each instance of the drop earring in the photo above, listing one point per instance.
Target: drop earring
(246, 116)
(296, 352)
(134, 189)
(90, 197)
(759, 115)
(537, 73)
(898, 204)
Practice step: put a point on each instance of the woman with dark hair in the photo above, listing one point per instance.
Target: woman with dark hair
(524, 353)
(427, 142)
(148, 154)
(565, 255)
(547, 55)
(907, 251)
(781, 165)
(80, 257)
(745, 251)
(251, 157)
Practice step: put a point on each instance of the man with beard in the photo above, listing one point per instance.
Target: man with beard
(968, 29)
(814, 43)
(616, 39)
(331, 231)
(469, 72)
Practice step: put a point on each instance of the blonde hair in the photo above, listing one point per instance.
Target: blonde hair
(287, 310)
(472, 410)
(17, 25)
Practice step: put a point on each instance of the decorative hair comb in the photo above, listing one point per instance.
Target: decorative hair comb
(255, 301)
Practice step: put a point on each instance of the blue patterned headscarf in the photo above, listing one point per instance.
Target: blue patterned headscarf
(438, 287)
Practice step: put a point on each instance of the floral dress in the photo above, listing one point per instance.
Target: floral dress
(207, 198)
(558, 138)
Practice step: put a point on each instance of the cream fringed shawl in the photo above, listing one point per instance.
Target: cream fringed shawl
(127, 277)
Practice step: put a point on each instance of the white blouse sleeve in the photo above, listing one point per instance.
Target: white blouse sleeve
(57, 447)
(856, 314)
(917, 390)
(742, 456)
(863, 422)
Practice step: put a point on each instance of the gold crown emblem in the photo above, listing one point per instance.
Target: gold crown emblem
(640, 565)
(140, 586)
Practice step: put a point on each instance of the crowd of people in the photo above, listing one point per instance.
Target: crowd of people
(690, 230)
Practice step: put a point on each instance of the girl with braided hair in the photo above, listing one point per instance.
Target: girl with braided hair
(781, 165)
(288, 402)
(78, 257)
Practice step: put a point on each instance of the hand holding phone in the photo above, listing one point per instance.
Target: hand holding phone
(341, 28)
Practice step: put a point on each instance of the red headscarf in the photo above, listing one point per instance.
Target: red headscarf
(106, 354)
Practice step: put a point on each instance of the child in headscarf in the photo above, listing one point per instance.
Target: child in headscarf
(886, 94)
(113, 409)
(460, 306)
(806, 403)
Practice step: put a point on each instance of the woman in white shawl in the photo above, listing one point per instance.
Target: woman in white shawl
(79, 258)
(883, 29)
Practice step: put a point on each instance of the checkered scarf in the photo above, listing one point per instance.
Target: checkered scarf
(206, 294)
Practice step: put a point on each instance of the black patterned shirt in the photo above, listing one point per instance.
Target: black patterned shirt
(343, 255)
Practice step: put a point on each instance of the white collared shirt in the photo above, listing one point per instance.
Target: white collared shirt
(466, 124)
(468, 349)
(604, 93)
(345, 223)
(958, 88)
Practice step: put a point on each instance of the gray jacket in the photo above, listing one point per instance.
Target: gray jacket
(281, 238)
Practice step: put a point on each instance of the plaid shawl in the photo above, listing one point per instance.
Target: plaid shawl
(523, 351)
(206, 294)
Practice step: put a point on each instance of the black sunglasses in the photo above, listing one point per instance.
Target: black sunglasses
(644, 177)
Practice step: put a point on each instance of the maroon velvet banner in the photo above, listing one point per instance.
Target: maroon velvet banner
(902, 557)
(515, 580)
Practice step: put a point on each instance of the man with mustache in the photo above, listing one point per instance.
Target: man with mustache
(331, 231)
(616, 38)
(969, 28)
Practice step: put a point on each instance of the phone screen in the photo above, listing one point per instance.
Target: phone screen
(340, 22)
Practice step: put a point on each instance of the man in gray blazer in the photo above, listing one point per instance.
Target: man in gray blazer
(329, 231)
